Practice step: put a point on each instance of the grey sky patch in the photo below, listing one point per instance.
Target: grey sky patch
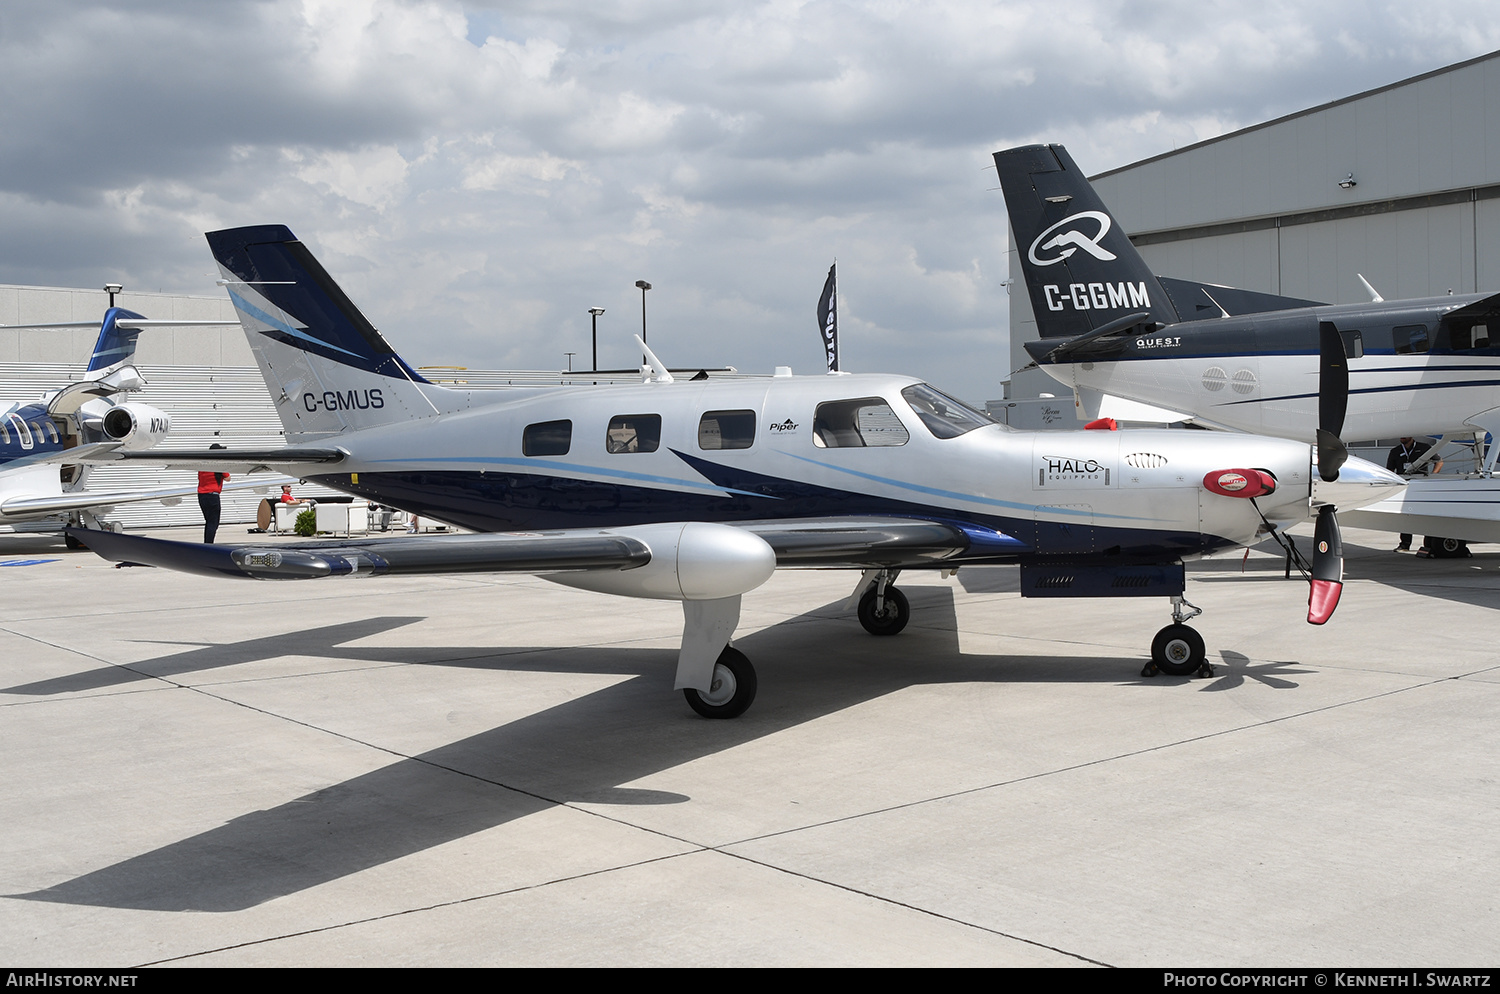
(478, 174)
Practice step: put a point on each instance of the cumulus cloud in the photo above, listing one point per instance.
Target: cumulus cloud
(478, 174)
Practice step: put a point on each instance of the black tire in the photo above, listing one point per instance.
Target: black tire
(733, 688)
(889, 621)
(1446, 548)
(73, 543)
(1178, 650)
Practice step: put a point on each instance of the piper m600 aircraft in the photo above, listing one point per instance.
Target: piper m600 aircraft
(46, 446)
(1237, 358)
(696, 491)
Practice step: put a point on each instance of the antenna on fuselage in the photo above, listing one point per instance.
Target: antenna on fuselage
(658, 368)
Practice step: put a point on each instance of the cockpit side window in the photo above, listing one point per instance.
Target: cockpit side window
(943, 416)
(633, 433)
(868, 421)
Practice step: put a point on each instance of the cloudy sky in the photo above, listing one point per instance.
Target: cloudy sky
(478, 174)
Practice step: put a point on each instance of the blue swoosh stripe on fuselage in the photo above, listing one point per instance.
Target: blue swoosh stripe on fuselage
(952, 495)
(1447, 385)
(621, 474)
(505, 501)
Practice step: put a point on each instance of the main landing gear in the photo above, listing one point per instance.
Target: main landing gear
(884, 610)
(732, 689)
(1177, 649)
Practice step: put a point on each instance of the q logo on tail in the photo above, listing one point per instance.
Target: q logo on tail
(1069, 239)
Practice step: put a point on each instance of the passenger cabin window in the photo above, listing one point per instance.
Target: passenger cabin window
(856, 423)
(726, 430)
(1470, 336)
(547, 438)
(1410, 338)
(943, 416)
(1354, 344)
(633, 433)
(4, 434)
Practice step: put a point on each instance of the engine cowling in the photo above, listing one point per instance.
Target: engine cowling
(136, 426)
(690, 561)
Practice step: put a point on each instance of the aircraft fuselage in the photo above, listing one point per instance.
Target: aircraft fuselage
(1412, 367)
(739, 450)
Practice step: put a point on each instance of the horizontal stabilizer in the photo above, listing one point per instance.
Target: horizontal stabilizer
(1201, 301)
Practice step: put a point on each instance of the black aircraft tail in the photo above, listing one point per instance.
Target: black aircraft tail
(1081, 270)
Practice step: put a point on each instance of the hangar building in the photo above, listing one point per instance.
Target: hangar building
(1400, 184)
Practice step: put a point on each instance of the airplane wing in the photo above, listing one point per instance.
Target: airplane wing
(31, 507)
(832, 542)
(216, 460)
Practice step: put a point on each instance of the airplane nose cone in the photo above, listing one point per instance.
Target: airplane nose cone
(1360, 483)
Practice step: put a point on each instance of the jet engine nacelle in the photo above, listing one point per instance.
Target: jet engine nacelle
(136, 426)
(690, 561)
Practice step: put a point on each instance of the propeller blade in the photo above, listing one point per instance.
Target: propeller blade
(1333, 400)
(1327, 567)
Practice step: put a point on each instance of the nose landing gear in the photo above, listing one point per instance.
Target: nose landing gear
(1177, 649)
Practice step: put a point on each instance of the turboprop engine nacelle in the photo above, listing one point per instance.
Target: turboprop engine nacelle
(136, 426)
(690, 561)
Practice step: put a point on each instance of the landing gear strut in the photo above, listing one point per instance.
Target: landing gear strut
(1177, 649)
(732, 689)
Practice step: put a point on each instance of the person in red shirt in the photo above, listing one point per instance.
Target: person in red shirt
(210, 485)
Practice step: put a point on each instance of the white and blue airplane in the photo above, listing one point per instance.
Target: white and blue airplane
(696, 491)
(47, 446)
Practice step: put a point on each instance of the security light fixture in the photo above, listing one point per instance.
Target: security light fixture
(1347, 182)
(112, 289)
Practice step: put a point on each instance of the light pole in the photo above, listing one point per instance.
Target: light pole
(112, 289)
(644, 287)
(595, 312)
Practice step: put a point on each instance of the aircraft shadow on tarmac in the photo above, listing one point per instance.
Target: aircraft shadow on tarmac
(582, 750)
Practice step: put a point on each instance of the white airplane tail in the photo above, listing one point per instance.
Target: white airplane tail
(329, 371)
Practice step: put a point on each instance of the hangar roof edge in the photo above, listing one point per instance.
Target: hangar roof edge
(1301, 113)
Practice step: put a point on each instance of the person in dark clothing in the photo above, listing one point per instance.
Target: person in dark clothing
(1400, 460)
(210, 486)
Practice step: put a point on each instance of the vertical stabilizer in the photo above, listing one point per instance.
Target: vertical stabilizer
(329, 371)
(1081, 270)
(116, 345)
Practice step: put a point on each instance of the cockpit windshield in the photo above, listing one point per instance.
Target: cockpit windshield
(943, 416)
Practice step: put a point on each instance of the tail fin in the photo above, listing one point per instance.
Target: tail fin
(116, 345)
(1081, 270)
(328, 369)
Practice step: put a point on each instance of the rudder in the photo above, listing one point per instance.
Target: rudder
(1081, 270)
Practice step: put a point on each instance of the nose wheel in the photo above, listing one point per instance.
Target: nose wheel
(1177, 649)
(732, 690)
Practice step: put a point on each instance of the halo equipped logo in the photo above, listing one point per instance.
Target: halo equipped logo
(1070, 238)
(1070, 471)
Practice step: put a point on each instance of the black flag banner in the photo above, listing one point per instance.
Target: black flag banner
(828, 318)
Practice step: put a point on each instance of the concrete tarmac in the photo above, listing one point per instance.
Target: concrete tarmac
(495, 770)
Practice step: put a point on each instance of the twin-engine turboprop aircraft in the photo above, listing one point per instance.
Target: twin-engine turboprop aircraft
(696, 491)
(1238, 358)
(46, 446)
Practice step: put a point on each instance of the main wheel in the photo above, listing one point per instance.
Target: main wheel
(732, 689)
(888, 621)
(1177, 650)
(1446, 548)
(73, 543)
